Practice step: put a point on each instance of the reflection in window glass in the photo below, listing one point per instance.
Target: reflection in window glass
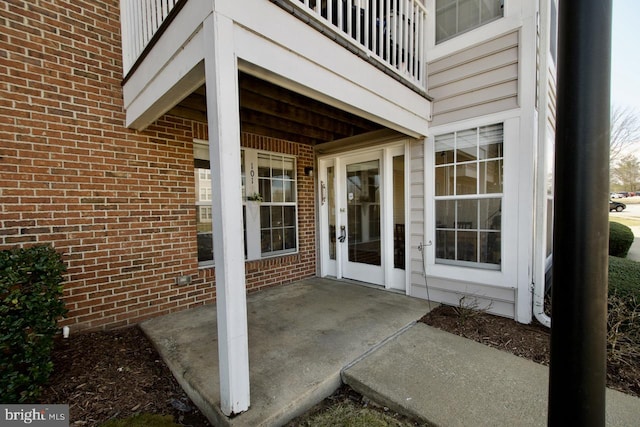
(273, 218)
(468, 196)
(458, 16)
(204, 228)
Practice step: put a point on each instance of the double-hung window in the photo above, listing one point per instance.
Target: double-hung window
(468, 197)
(454, 17)
(270, 209)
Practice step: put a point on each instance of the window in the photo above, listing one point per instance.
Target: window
(270, 209)
(203, 212)
(277, 188)
(454, 17)
(468, 196)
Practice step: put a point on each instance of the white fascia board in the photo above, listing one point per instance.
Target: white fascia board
(297, 56)
(173, 57)
(181, 76)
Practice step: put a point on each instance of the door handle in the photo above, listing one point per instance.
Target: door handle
(343, 234)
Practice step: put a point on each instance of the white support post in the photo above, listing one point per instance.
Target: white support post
(223, 114)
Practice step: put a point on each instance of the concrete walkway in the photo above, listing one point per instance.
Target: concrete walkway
(305, 337)
(447, 380)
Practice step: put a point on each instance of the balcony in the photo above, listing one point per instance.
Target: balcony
(390, 34)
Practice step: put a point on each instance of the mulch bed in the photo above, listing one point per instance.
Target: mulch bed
(115, 374)
(528, 341)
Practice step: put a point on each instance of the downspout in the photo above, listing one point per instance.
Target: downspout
(538, 285)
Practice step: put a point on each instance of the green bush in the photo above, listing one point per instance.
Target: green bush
(623, 313)
(624, 277)
(30, 305)
(620, 239)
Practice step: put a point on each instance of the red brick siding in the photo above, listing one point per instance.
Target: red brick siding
(118, 203)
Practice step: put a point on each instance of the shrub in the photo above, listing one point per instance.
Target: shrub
(30, 304)
(623, 313)
(620, 239)
(624, 277)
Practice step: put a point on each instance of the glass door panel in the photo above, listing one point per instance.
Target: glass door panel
(328, 192)
(363, 212)
(398, 213)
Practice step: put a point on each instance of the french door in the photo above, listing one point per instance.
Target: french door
(362, 216)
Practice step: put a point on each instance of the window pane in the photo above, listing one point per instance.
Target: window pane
(457, 16)
(446, 19)
(332, 212)
(289, 238)
(468, 14)
(243, 176)
(277, 239)
(467, 215)
(467, 246)
(277, 191)
(490, 9)
(467, 178)
(289, 216)
(445, 213)
(276, 216)
(265, 240)
(264, 166)
(445, 181)
(277, 171)
(288, 168)
(265, 217)
(445, 244)
(490, 141)
(491, 177)
(490, 247)
(444, 146)
(265, 189)
(466, 145)
(204, 233)
(289, 195)
(490, 214)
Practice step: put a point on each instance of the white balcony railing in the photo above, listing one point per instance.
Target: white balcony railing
(391, 31)
(140, 20)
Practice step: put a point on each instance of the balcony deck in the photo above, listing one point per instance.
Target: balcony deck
(323, 53)
(389, 33)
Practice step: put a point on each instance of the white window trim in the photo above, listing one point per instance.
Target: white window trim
(507, 276)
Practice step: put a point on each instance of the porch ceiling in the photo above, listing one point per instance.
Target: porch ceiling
(270, 110)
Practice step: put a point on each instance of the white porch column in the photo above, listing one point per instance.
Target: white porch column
(223, 112)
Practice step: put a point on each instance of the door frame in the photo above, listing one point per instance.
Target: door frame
(392, 278)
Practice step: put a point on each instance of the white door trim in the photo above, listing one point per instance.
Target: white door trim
(392, 278)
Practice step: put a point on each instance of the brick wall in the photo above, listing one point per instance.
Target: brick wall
(118, 203)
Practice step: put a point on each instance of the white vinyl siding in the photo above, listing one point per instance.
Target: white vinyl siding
(476, 81)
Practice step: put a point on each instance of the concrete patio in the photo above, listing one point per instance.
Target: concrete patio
(301, 337)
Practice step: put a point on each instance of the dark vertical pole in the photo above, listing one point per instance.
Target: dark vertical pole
(578, 334)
